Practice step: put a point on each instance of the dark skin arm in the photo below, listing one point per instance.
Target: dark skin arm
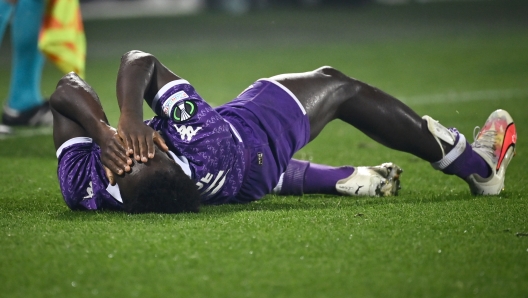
(140, 77)
(77, 112)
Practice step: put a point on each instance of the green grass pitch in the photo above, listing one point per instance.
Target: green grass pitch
(456, 62)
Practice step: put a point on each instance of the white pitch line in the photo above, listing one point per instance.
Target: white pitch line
(478, 95)
(27, 132)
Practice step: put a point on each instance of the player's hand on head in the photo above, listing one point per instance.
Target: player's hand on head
(113, 154)
(140, 139)
(160, 142)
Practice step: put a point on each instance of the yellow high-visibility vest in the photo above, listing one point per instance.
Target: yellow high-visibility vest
(62, 38)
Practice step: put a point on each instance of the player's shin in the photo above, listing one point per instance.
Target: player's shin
(303, 177)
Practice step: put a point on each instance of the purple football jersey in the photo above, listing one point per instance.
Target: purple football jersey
(234, 153)
(193, 129)
(237, 151)
(82, 178)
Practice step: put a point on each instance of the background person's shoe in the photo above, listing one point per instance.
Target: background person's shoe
(382, 180)
(495, 143)
(38, 116)
(5, 130)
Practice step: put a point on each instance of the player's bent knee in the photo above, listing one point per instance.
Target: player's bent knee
(343, 84)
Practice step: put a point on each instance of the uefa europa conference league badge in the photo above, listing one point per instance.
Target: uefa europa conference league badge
(182, 109)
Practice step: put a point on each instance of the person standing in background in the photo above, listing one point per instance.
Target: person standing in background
(53, 27)
(25, 104)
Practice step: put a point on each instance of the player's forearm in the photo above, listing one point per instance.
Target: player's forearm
(140, 77)
(76, 100)
(134, 80)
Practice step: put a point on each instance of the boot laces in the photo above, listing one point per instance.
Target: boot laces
(485, 142)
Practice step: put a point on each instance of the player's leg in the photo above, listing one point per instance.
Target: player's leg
(303, 177)
(25, 104)
(323, 93)
(328, 94)
(5, 15)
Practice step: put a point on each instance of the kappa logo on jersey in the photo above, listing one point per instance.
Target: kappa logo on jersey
(214, 186)
(184, 111)
(187, 132)
(89, 191)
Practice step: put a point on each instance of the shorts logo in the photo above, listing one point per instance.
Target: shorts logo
(184, 111)
(89, 191)
(172, 100)
(260, 158)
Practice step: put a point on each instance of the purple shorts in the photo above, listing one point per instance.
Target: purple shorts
(273, 125)
(82, 178)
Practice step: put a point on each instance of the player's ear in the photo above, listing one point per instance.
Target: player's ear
(160, 142)
(110, 176)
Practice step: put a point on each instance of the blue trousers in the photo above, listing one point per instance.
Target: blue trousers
(28, 61)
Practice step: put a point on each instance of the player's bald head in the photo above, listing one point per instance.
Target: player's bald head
(159, 185)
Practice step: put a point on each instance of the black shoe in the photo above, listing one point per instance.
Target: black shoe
(37, 116)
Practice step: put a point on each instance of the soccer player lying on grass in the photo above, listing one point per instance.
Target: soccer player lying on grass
(191, 153)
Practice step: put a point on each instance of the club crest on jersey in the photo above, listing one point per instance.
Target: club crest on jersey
(184, 111)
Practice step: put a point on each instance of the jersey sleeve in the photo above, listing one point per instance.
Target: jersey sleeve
(175, 101)
(185, 119)
(82, 178)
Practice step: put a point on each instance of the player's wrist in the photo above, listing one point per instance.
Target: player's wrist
(128, 118)
(103, 132)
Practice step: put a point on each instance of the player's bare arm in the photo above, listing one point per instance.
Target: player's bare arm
(77, 112)
(140, 77)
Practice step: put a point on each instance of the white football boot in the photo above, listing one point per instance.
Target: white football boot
(495, 143)
(382, 180)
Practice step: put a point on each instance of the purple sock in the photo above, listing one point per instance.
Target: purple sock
(322, 179)
(468, 163)
(309, 178)
(293, 181)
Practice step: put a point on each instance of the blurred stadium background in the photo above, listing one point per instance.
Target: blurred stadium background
(93, 9)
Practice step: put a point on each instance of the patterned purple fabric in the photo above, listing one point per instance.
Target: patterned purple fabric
(234, 164)
(82, 178)
(192, 128)
(273, 125)
(236, 152)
